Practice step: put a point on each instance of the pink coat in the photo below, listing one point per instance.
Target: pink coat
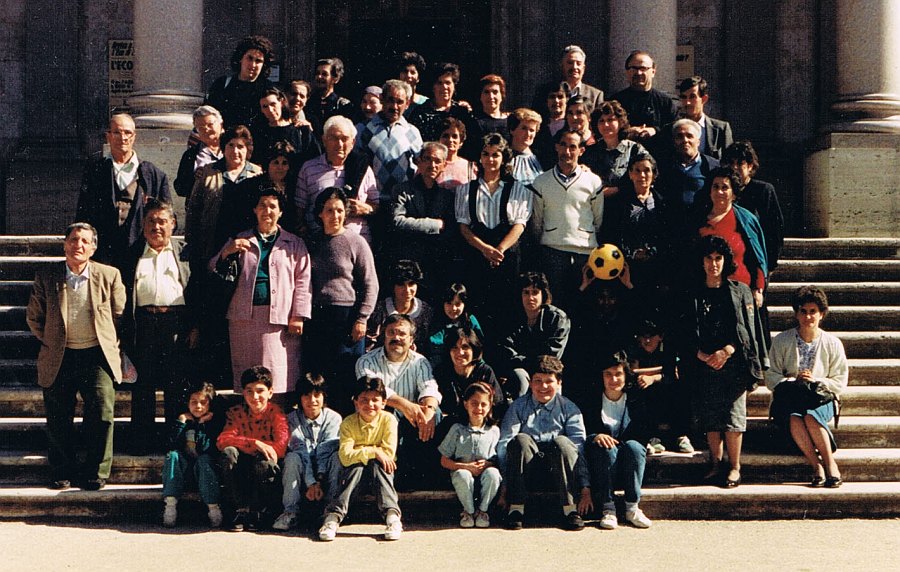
(289, 279)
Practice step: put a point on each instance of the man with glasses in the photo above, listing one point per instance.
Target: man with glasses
(115, 189)
(648, 108)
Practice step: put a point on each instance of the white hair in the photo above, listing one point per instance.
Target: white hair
(205, 110)
(691, 124)
(339, 122)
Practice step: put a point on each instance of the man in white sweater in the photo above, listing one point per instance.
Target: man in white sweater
(566, 217)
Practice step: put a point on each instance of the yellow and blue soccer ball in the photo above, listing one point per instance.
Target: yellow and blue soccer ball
(606, 261)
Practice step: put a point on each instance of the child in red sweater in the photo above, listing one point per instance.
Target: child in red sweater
(254, 439)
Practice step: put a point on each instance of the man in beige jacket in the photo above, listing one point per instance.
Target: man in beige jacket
(73, 311)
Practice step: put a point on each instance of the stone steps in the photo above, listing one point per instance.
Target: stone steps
(840, 293)
(24, 468)
(143, 503)
(823, 271)
(843, 318)
(833, 248)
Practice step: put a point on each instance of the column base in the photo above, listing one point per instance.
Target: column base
(163, 147)
(164, 110)
(852, 186)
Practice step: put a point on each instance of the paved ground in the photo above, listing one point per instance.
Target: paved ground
(670, 545)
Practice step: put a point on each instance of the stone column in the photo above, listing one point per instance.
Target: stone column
(168, 46)
(852, 180)
(868, 67)
(647, 25)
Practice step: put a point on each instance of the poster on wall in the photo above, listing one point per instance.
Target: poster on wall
(684, 61)
(121, 73)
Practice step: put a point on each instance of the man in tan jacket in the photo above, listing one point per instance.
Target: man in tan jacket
(73, 312)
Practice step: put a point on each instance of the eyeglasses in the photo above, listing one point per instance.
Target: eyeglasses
(122, 134)
(639, 68)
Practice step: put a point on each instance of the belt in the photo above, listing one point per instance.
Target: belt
(160, 309)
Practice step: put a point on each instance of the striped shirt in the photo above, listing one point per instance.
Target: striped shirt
(525, 167)
(487, 205)
(318, 174)
(412, 380)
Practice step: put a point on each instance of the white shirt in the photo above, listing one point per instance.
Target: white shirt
(614, 415)
(126, 172)
(156, 280)
(76, 281)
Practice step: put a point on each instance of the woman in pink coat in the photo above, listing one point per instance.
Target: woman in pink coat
(272, 298)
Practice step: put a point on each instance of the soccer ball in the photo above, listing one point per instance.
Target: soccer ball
(606, 261)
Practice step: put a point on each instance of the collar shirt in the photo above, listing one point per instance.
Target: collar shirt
(411, 379)
(543, 421)
(76, 281)
(314, 440)
(465, 443)
(205, 157)
(487, 204)
(126, 172)
(525, 167)
(685, 167)
(156, 279)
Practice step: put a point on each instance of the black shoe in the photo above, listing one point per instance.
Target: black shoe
(573, 521)
(60, 485)
(817, 482)
(93, 484)
(238, 522)
(514, 520)
(252, 522)
(833, 482)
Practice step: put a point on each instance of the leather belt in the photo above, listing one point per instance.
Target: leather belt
(160, 309)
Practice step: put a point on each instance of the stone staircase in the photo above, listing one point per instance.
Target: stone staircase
(861, 277)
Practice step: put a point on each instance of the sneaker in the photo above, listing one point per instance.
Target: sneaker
(215, 516)
(684, 445)
(482, 519)
(393, 529)
(573, 521)
(238, 522)
(637, 519)
(170, 514)
(286, 521)
(609, 521)
(655, 446)
(514, 520)
(329, 529)
(466, 520)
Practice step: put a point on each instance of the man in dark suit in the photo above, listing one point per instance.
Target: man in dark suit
(114, 190)
(683, 175)
(572, 66)
(73, 310)
(715, 134)
(157, 322)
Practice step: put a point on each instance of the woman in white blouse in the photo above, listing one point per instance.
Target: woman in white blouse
(807, 353)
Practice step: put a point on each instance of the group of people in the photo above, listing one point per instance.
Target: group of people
(301, 209)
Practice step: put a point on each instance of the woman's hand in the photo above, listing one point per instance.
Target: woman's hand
(758, 297)
(358, 331)
(492, 255)
(356, 207)
(717, 359)
(805, 375)
(236, 245)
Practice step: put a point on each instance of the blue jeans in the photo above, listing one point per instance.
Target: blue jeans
(627, 461)
(292, 481)
(467, 485)
(180, 468)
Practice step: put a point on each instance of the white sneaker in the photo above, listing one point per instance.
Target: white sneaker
(329, 529)
(655, 446)
(393, 529)
(637, 519)
(482, 519)
(215, 516)
(286, 521)
(466, 520)
(170, 513)
(684, 445)
(609, 521)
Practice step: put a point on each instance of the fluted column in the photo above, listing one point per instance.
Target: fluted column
(647, 25)
(868, 67)
(168, 46)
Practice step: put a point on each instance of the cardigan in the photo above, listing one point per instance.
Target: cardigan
(830, 367)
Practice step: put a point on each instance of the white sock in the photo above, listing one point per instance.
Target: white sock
(569, 509)
(517, 507)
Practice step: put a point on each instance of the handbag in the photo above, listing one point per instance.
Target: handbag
(798, 396)
(223, 283)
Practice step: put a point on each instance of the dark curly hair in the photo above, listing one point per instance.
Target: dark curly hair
(261, 43)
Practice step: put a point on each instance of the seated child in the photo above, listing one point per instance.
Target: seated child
(192, 456)
(310, 462)
(668, 401)
(368, 447)
(405, 276)
(255, 437)
(618, 426)
(455, 316)
(470, 452)
(543, 431)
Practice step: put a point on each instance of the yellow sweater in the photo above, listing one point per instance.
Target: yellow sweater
(360, 439)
